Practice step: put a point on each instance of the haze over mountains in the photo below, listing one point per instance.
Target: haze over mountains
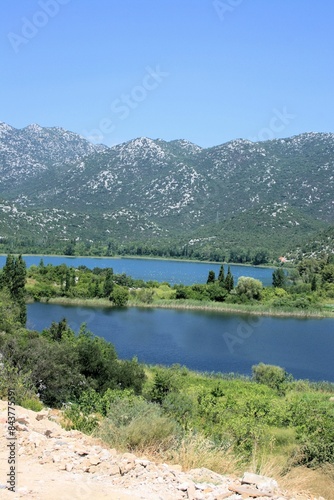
(266, 194)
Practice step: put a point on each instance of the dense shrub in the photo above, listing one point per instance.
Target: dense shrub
(119, 296)
(270, 375)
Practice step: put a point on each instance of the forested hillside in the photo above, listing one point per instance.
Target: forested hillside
(151, 196)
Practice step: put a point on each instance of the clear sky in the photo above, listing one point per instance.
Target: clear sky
(203, 70)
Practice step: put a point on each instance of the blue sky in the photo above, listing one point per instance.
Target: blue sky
(204, 70)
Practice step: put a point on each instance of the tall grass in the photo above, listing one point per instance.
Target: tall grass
(190, 304)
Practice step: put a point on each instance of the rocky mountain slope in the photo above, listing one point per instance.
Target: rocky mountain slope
(58, 183)
(53, 463)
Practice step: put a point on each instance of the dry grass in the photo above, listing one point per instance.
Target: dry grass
(195, 452)
(314, 482)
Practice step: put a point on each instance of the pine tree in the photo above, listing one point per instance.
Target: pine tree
(211, 277)
(221, 276)
(108, 283)
(14, 278)
(314, 284)
(229, 280)
(8, 273)
(279, 278)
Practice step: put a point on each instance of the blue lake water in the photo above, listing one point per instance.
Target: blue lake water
(172, 271)
(205, 341)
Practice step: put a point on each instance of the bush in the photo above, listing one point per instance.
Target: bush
(120, 296)
(74, 418)
(313, 415)
(249, 287)
(145, 296)
(271, 375)
(133, 423)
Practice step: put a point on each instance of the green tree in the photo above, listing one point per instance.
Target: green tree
(279, 278)
(108, 283)
(211, 277)
(271, 375)
(221, 276)
(249, 287)
(164, 383)
(97, 360)
(131, 375)
(328, 273)
(13, 279)
(59, 332)
(229, 280)
(217, 292)
(120, 296)
(314, 283)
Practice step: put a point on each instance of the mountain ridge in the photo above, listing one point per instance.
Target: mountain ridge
(147, 188)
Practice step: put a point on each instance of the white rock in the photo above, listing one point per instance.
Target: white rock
(263, 483)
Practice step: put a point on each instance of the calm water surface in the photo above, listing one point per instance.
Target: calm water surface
(173, 272)
(205, 341)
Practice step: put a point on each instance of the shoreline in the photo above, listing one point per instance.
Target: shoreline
(228, 308)
(143, 257)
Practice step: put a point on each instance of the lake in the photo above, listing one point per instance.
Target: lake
(204, 341)
(172, 271)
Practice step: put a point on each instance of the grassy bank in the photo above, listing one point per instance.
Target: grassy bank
(226, 424)
(257, 309)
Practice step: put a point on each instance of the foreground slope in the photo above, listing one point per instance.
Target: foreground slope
(53, 463)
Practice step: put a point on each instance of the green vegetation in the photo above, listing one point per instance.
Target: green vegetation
(306, 289)
(12, 281)
(56, 366)
(212, 420)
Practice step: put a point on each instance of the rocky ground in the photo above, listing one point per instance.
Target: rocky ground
(55, 464)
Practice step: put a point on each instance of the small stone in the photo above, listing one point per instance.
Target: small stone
(69, 467)
(36, 438)
(199, 495)
(143, 462)
(21, 427)
(104, 455)
(41, 415)
(222, 496)
(102, 468)
(81, 452)
(126, 467)
(94, 460)
(183, 486)
(261, 482)
(85, 465)
(23, 419)
(114, 470)
(248, 491)
(191, 491)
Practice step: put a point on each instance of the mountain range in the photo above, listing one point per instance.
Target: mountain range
(270, 195)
